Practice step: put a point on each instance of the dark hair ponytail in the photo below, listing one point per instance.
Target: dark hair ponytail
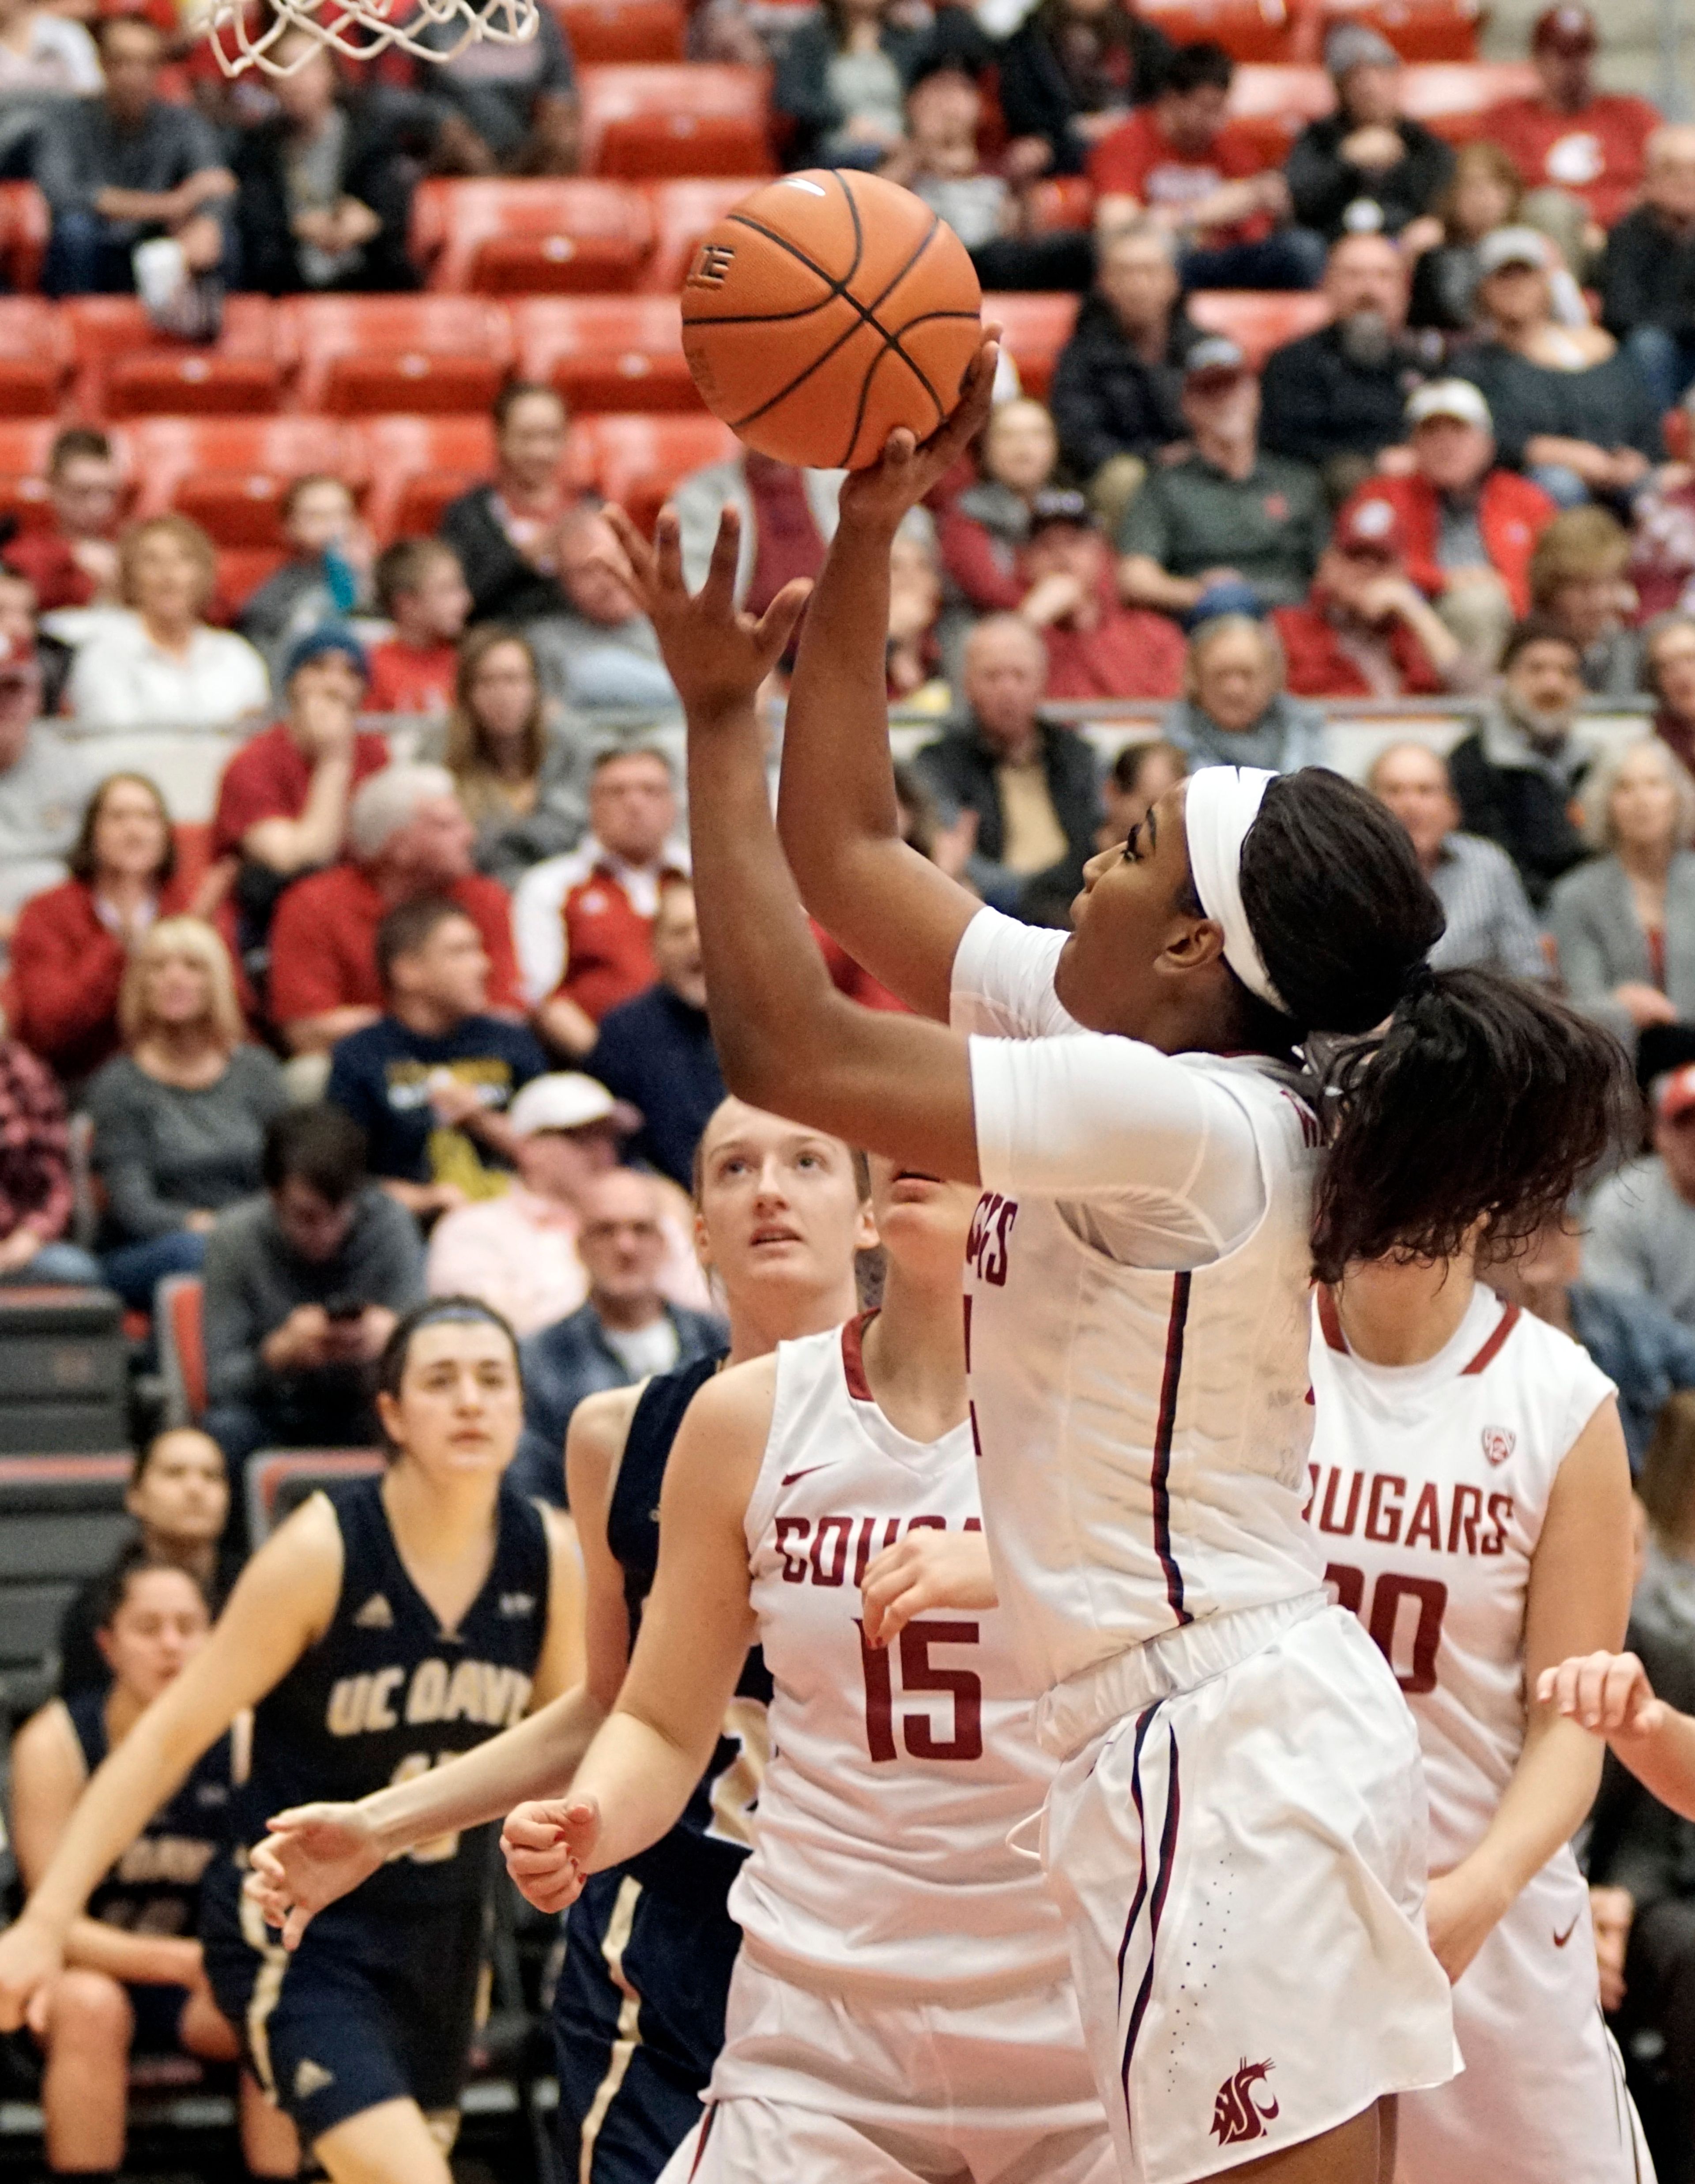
(1481, 1097)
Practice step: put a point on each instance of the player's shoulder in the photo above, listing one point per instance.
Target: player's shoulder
(738, 1401)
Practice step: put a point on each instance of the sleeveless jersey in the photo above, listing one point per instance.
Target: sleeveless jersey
(1428, 1486)
(386, 1693)
(897, 1773)
(155, 1887)
(697, 1861)
(1143, 1432)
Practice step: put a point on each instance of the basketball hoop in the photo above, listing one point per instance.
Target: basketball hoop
(360, 30)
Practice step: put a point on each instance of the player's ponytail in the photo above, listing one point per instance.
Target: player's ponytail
(1454, 1096)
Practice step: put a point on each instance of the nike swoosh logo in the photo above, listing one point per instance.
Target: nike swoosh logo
(806, 1474)
(1560, 1939)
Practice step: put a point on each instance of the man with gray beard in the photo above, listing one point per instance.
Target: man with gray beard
(1516, 773)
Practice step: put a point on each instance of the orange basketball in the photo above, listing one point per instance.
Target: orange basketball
(825, 311)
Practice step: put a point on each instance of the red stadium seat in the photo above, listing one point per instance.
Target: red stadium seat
(1256, 320)
(636, 461)
(1418, 30)
(125, 368)
(605, 352)
(1033, 330)
(362, 353)
(1247, 30)
(698, 119)
(1275, 104)
(23, 224)
(682, 211)
(1451, 99)
(416, 466)
(531, 237)
(230, 473)
(35, 357)
(278, 1480)
(603, 32)
(242, 569)
(179, 1323)
(1063, 203)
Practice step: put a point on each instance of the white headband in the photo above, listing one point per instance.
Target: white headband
(1222, 803)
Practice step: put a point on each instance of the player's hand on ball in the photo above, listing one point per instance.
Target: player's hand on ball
(547, 1845)
(926, 1569)
(909, 468)
(715, 655)
(32, 1957)
(313, 1855)
(1609, 1694)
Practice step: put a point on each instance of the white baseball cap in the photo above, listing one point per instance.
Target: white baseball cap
(1450, 398)
(567, 1101)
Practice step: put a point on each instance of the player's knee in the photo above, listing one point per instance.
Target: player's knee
(91, 2013)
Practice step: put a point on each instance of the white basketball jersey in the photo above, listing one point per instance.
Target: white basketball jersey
(1430, 1484)
(881, 1859)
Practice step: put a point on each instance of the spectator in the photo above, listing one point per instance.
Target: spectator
(74, 562)
(1366, 170)
(1579, 150)
(407, 836)
(1468, 527)
(1031, 784)
(1668, 669)
(1516, 773)
(914, 677)
(1662, 570)
(421, 590)
(43, 788)
(282, 803)
(1624, 923)
(327, 180)
(624, 1329)
(1641, 1220)
(70, 946)
(1179, 162)
(161, 667)
(20, 636)
(35, 1176)
(1234, 710)
(515, 104)
(1490, 926)
(1366, 630)
(1135, 780)
(180, 1116)
(326, 578)
(583, 923)
(128, 167)
(789, 517)
(1337, 398)
(178, 1498)
(522, 786)
(656, 1051)
(507, 533)
(983, 527)
(1569, 408)
(838, 100)
(1095, 648)
(1647, 276)
(601, 654)
(304, 1286)
(1578, 582)
(1483, 192)
(1118, 386)
(430, 1082)
(1070, 74)
(1229, 526)
(44, 57)
(519, 1251)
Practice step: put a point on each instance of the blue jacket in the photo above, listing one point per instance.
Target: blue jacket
(570, 1360)
(1638, 1345)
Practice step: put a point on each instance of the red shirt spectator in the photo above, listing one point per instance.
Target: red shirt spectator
(75, 562)
(1365, 630)
(1140, 159)
(1511, 514)
(422, 588)
(270, 779)
(1572, 137)
(408, 678)
(36, 1196)
(1095, 647)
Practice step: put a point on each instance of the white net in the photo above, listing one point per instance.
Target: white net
(244, 36)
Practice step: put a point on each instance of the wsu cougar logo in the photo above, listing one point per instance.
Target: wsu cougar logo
(1237, 2115)
(1498, 1443)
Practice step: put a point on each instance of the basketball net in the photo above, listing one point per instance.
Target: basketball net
(360, 30)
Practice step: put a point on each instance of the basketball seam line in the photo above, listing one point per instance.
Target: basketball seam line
(889, 340)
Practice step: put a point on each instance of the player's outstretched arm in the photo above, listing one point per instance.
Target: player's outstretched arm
(889, 906)
(1611, 1695)
(787, 1040)
(1579, 1596)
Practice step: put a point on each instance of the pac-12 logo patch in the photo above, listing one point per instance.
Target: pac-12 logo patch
(1498, 1443)
(1237, 2115)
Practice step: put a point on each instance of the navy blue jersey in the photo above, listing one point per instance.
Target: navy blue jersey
(700, 1856)
(155, 1887)
(386, 1694)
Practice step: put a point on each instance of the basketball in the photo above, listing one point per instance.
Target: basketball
(826, 310)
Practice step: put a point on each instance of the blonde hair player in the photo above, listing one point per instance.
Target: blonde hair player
(902, 2006)
(1471, 1490)
(1235, 1833)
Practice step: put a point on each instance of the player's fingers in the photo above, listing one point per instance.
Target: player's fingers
(668, 554)
(296, 1818)
(899, 448)
(977, 398)
(776, 626)
(264, 1867)
(295, 1924)
(718, 593)
(36, 2014)
(1592, 1688)
(536, 1825)
(1625, 1690)
(636, 550)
